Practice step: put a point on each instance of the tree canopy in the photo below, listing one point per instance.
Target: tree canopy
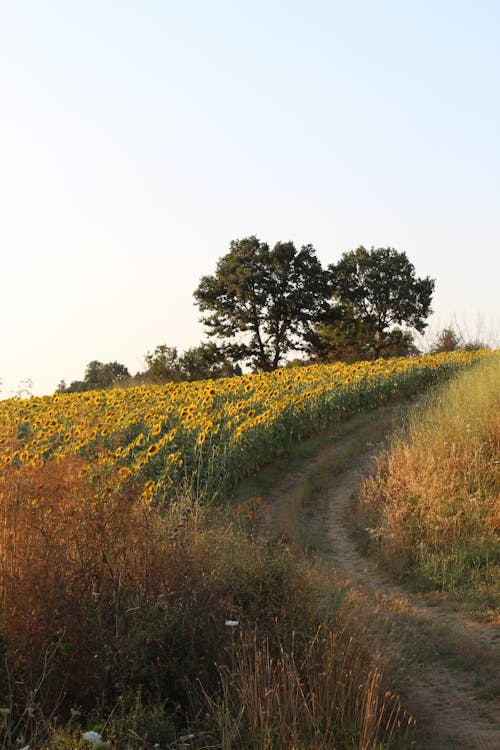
(447, 340)
(164, 365)
(378, 303)
(97, 375)
(207, 361)
(197, 363)
(262, 303)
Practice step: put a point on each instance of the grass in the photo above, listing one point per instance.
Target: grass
(126, 634)
(297, 488)
(113, 611)
(433, 505)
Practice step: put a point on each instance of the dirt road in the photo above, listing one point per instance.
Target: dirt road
(444, 656)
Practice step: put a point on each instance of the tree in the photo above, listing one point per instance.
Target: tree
(339, 336)
(163, 364)
(375, 293)
(447, 340)
(262, 303)
(343, 337)
(206, 361)
(97, 375)
(474, 345)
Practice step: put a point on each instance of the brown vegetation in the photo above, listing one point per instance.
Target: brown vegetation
(434, 504)
(107, 604)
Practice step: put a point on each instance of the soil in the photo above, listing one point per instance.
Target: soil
(449, 710)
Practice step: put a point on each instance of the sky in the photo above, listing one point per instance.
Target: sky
(137, 139)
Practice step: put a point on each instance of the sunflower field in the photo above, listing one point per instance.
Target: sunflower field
(208, 434)
(120, 582)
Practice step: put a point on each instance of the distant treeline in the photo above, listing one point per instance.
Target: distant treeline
(164, 365)
(205, 361)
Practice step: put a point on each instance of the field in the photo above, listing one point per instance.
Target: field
(134, 602)
(209, 433)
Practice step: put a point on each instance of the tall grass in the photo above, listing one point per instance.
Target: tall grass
(323, 691)
(434, 503)
(113, 616)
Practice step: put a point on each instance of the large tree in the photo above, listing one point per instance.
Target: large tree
(262, 303)
(378, 303)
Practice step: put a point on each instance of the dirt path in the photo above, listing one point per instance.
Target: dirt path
(444, 699)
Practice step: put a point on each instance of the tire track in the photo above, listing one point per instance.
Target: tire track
(443, 700)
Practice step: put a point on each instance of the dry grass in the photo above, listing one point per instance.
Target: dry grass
(434, 503)
(324, 691)
(104, 599)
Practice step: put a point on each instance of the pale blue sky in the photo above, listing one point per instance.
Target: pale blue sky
(137, 139)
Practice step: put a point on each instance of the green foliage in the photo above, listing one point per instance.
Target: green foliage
(197, 363)
(163, 364)
(97, 376)
(262, 303)
(375, 293)
(206, 361)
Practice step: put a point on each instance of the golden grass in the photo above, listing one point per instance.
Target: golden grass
(434, 503)
(325, 692)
